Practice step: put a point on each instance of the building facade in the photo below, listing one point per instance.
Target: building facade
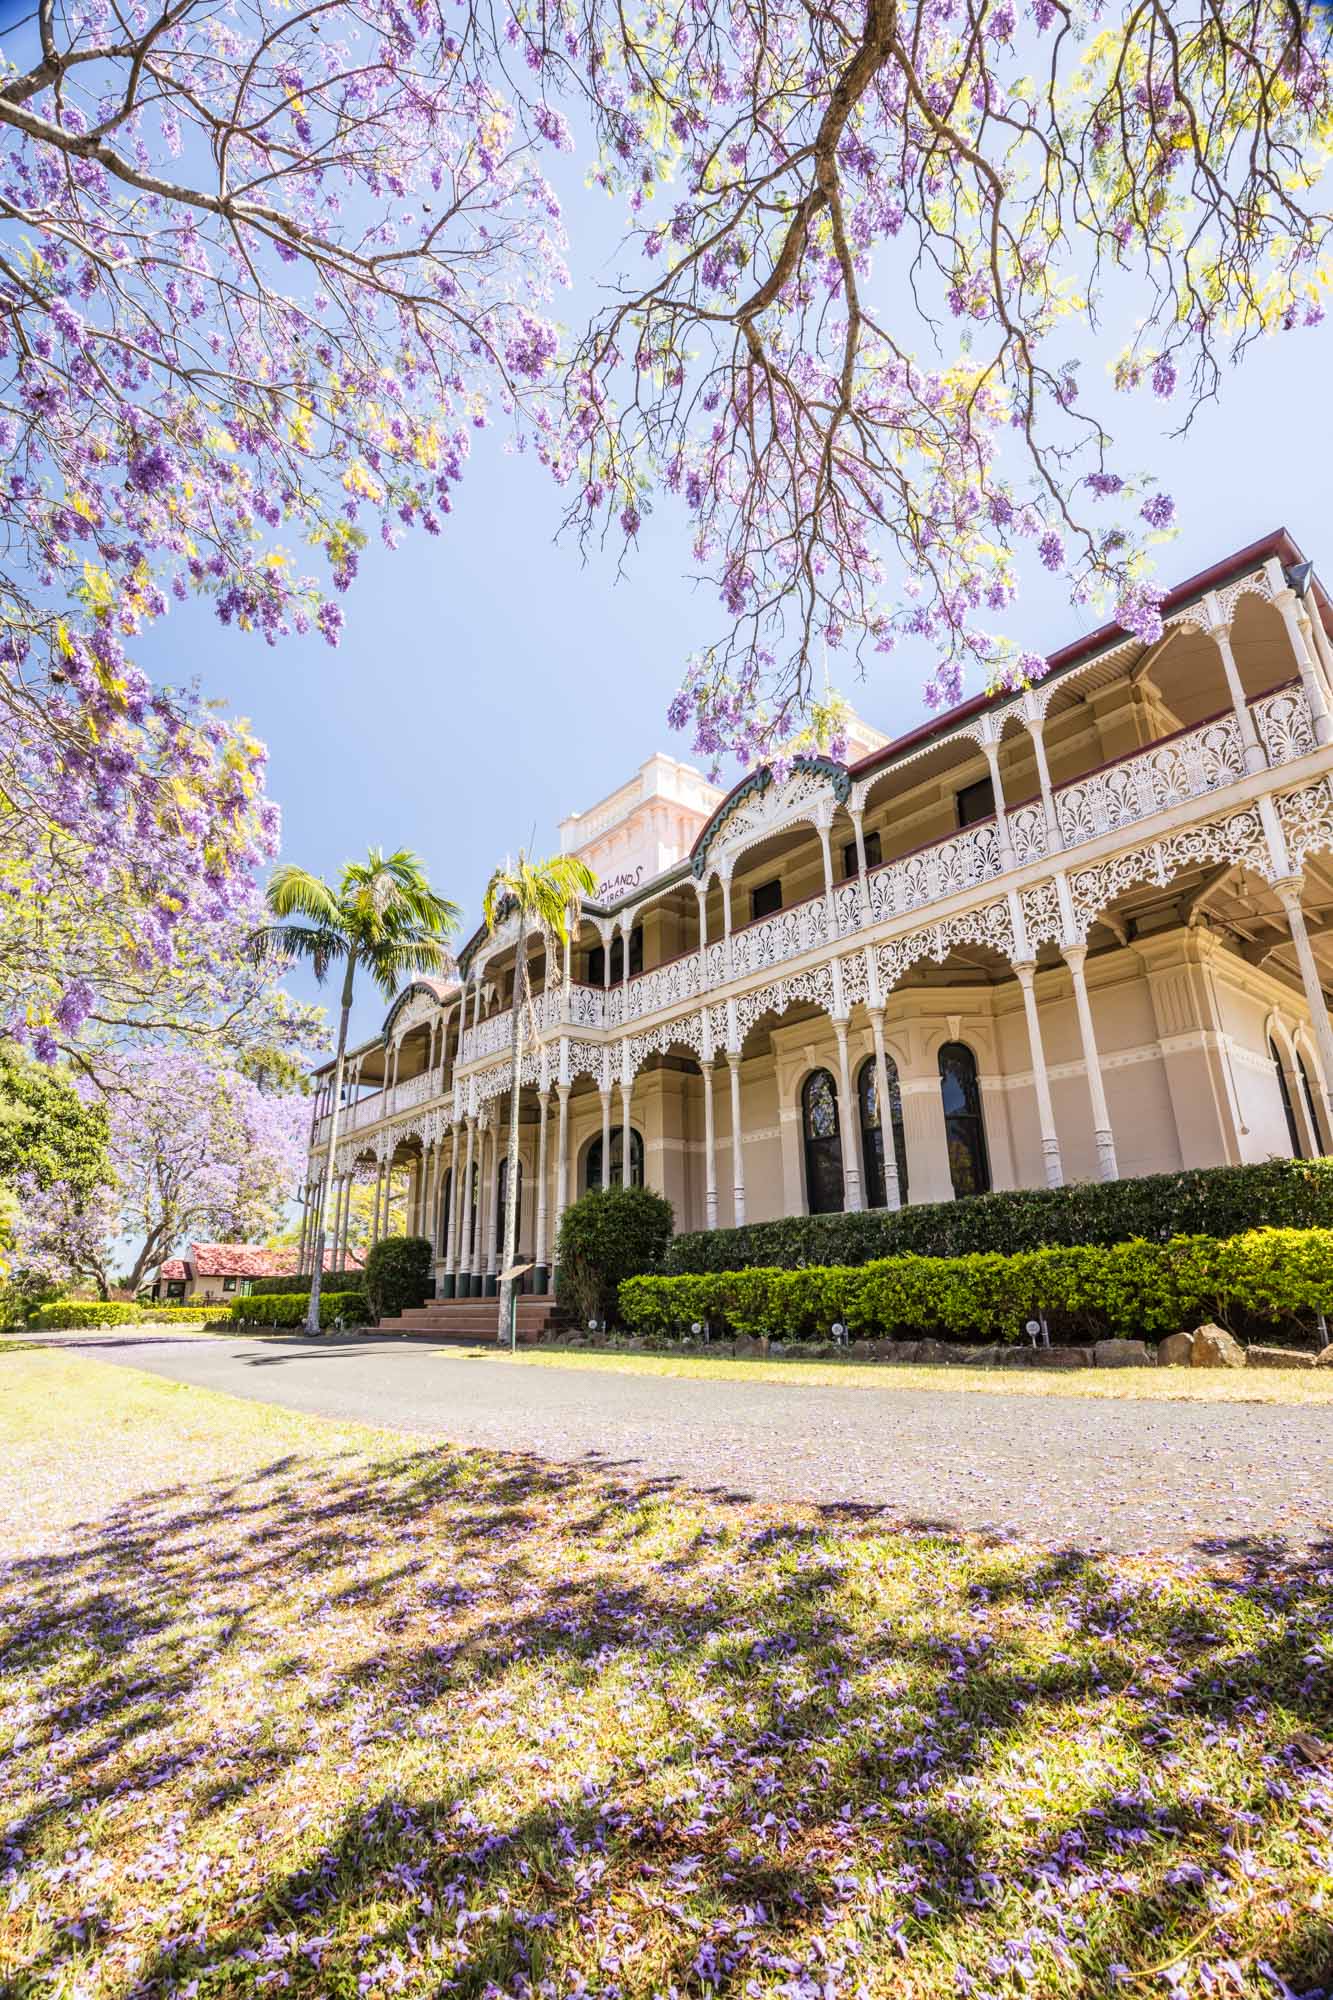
(220, 1272)
(1081, 931)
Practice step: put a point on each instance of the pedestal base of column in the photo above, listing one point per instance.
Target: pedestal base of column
(1255, 760)
(1108, 1168)
(1055, 1172)
(447, 1285)
(1323, 729)
(490, 1286)
(541, 1280)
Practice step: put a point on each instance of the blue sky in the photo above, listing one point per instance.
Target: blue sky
(489, 682)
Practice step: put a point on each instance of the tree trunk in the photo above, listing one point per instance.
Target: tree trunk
(317, 1259)
(512, 1191)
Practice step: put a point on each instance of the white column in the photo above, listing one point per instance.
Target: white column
(539, 1253)
(561, 1159)
(434, 1231)
(1036, 729)
(1041, 1083)
(992, 750)
(726, 920)
(847, 1124)
(626, 925)
(830, 907)
(491, 1142)
(1289, 893)
(737, 1147)
(625, 1148)
(863, 885)
(467, 1219)
(605, 1096)
(1220, 633)
(710, 1149)
(1311, 678)
(893, 1194)
(701, 897)
(1107, 1169)
(451, 1218)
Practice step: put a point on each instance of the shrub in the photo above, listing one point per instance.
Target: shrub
(398, 1274)
(183, 1314)
(607, 1236)
(1202, 1201)
(72, 1313)
(270, 1309)
(346, 1281)
(1136, 1288)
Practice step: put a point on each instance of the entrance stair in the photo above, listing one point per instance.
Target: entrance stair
(476, 1321)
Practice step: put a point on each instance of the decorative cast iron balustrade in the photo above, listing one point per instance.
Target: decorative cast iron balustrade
(417, 1090)
(1186, 767)
(1283, 721)
(1028, 832)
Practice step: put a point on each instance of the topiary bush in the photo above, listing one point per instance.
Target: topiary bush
(606, 1237)
(1201, 1201)
(398, 1274)
(73, 1313)
(270, 1309)
(1271, 1276)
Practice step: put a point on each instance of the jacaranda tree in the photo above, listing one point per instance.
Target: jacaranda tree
(266, 267)
(383, 919)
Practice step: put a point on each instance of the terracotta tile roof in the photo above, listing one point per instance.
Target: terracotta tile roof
(175, 1267)
(248, 1260)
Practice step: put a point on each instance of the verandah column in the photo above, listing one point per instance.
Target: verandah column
(851, 1171)
(561, 1163)
(893, 1194)
(737, 1143)
(491, 1146)
(467, 1225)
(1025, 972)
(1107, 1167)
(1289, 894)
(710, 1148)
(1219, 631)
(605, 1095)
(1312, 681)
(540, 1275)
(1034, 721)
(450, 1282)
(626, 1146)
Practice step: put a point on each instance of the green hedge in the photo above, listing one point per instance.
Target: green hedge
(608, 1235)
(287, 1288)
(1136, 1288)
(1203, 1201)
(398, 1275)
(71, 1313)
(275, 1310)
(183, 1313)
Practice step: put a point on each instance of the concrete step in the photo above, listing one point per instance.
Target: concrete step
(477, 1319)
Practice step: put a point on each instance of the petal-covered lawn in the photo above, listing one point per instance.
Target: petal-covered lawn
(290, 1707)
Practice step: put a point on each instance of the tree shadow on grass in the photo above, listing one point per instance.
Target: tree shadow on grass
(457, 1723)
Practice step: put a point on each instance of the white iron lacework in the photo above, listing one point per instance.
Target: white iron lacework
(669, 985)
(1201, 761)
(990, 926)
(847, 907)
(585, 1059)
(754, 818)
(1307, 820)
(1284, 725)
(1238, 839)
(934, 873)
(786, 934)
(417, 1090)
(1041, 915)
(814, 986)
(1027, 831)
(683, 1034)
(855, 979)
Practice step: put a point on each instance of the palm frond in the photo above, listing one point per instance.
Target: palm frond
(320, 946)
(295, 892)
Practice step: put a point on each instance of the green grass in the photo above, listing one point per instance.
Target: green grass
(1204, 1385)
(291, 1706)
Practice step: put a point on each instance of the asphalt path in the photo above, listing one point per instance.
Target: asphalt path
(1062, 1470)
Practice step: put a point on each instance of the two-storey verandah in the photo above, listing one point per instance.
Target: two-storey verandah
(1057, 935)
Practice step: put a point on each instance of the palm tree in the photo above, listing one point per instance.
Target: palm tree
(383, 917)
(543, 895)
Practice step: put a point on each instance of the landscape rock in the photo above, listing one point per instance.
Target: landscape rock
(863, 1350)
(1324, 1358)
(933, 1351)
(1122, 1354)
(1215, 1348)
(750, 1343)
(895, 1350)
(1277, 1357)
(1176, 1351)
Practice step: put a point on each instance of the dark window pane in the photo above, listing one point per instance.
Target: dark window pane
(823, 1146)
(965, 1133)
(765, 899)
(1288, 1110)
(597, 966)
(593, 1173)
(1308, 1092)
(636, 951)
(976, 802)
(873, 854)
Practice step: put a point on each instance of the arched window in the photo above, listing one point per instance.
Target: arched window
(872, 1135)
(593, 1177)
(442, 1213)
(823, 1146)
(964, 1131)
(1307, 1089)
(1288, 1108)
(501, 1198)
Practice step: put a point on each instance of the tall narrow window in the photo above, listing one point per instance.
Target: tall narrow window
(823, 1145)
(766, 900)
(872, 1131)
(593, 1172)
(1288, 1108)
(442, 1214)
(1308, 1091)
(964, 1131)
(501, 1199)
(976, 802)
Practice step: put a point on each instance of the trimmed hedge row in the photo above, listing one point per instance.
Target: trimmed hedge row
(73, 1313)
(1201, 1201)
(1125, 1288)
(266, 1309)
(183, 1313)
(287, 1288)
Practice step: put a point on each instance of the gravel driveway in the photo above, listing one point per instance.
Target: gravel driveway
(1060, 1470)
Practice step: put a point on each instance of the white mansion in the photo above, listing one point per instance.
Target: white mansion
(1077, 932)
